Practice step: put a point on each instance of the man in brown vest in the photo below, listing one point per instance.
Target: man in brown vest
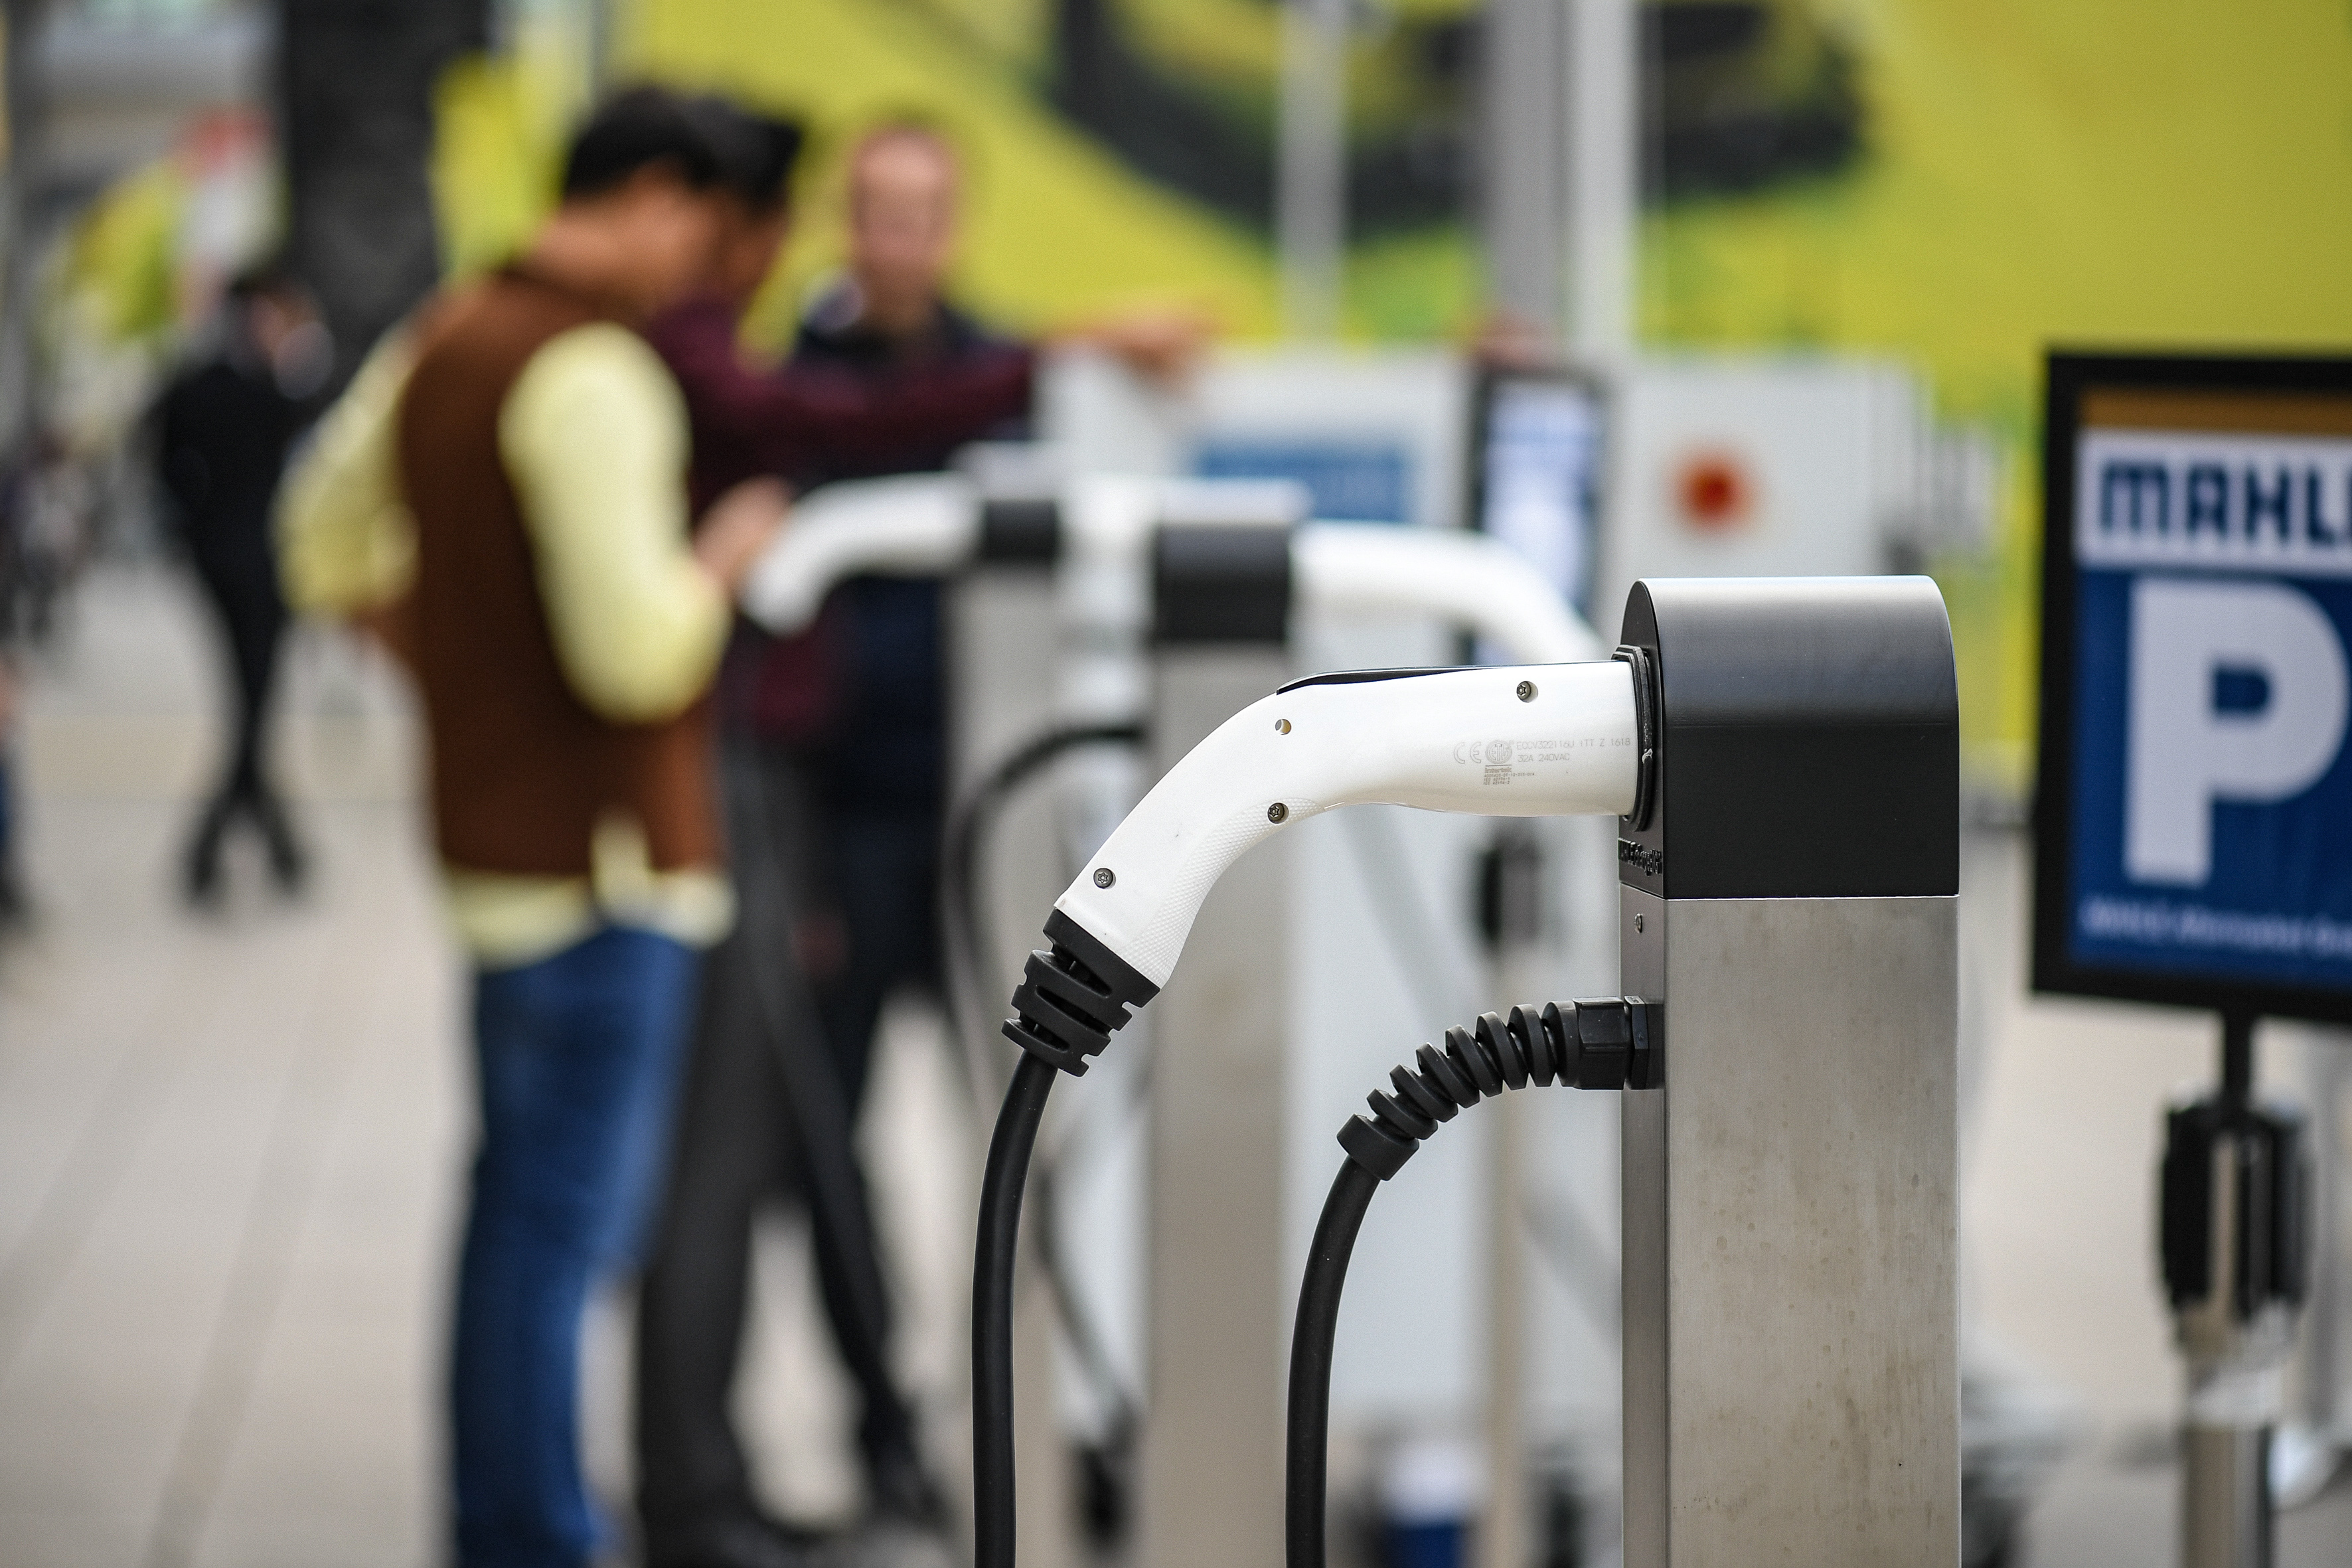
(504, 488)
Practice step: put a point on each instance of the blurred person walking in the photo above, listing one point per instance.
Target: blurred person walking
(222, 427)
(15, 904)
(502, 489)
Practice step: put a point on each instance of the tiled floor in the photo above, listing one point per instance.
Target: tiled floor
(229, 1149)
(228, 1143)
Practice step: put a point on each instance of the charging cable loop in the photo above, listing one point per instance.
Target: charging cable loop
(1609, 1042)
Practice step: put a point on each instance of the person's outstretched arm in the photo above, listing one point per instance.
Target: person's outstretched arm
(803, 418)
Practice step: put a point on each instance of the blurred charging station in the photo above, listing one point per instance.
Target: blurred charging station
(1757, 467)
(2195, 847)
(1772, 466)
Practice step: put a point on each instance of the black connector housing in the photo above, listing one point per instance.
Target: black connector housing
(2271, 1260)
(1801, 739)
(1221, 582)
(1020, 532)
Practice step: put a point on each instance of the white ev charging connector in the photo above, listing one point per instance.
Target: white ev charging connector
(912, 525)
(1521, 741)
(1516, 740)
(935, 524)
(1794, 1164)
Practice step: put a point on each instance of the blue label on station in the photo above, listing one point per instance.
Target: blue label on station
(1349, 481)
(2212, 825)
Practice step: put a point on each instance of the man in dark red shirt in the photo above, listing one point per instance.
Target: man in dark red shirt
(770, 1102)
(763, 1111)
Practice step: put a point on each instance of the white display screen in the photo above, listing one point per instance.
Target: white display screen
(1540, 477)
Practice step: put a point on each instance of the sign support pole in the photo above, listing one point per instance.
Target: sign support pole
(2233, 1192)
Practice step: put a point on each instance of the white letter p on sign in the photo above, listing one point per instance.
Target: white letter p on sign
(2186, 751)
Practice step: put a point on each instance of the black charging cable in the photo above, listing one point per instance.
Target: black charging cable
(1072, 999)
(992, 1310)
(1614, 1043)
(970, 952)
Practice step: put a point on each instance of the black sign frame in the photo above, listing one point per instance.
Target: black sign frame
(2071, 376)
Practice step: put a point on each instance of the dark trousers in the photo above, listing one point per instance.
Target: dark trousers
(241, 587)
(779, 1072)
(12, 891)
(576, 1058)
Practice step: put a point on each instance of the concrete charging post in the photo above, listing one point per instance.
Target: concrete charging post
(1790, 884)
(1000, 623)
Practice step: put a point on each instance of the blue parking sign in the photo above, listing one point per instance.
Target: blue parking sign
(2194, 823)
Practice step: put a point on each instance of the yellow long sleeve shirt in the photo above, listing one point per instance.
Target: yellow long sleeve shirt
(594, 439)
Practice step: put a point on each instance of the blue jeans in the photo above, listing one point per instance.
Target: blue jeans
(577, 1058)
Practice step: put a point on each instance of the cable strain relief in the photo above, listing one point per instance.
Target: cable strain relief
(1033, 1038)
(1073, 997)
(1123, 980)
(1376, 1148)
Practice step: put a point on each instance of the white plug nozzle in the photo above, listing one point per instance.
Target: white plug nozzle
(1553, 740)
(1481, 585)
(916, 524)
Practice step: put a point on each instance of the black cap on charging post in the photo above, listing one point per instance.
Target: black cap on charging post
(1016, 532)
(1221, 582)
(1806, 732)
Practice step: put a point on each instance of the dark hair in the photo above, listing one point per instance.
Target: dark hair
(766, 149)
(269, 279)
(643, 127)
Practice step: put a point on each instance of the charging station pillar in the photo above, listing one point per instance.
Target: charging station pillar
(1003, 635)
(1001, 628)
(1218, 1282)
(1789, 888)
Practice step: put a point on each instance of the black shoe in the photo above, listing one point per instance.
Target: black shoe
(732, 1541)
(899, 1490)
(200, 863)
(288, 865)
(16, 906)
(200, 877)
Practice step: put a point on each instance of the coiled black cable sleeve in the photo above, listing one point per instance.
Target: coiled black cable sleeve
(1608, 1043)
(991, 1309)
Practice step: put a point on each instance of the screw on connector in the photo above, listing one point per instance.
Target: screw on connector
(1282, 726)
(1103, 877)
(1278, 811)
(1527, 691)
